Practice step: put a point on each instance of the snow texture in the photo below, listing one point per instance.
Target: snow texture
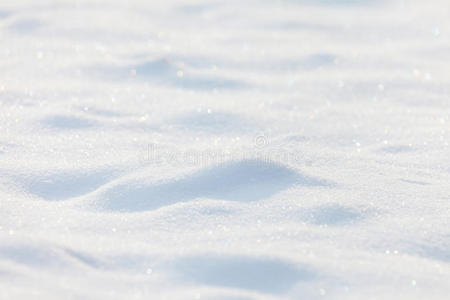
(251, 149)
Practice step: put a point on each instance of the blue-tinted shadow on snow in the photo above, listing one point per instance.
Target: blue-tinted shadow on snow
(162, 71)
(31, 255)
(266, 275)
(335, 2)
(396, 149)
(315, 61)
(300, 26)
(67, 122)
(437, 251)
(25, 26)
(195, 8)
(4, 14)
(47, 256)
(333, 215)
(243, 181)
(415, 182)
(103, 113)
(65, 185)
(310, 62)
(215, 122)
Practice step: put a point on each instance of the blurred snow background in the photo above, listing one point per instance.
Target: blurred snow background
(290, 149)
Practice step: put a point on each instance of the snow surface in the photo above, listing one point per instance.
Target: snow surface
(290, 149)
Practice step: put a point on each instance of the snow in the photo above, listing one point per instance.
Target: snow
(290, 149)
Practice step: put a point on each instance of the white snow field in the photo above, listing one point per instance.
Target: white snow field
(251, 149)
